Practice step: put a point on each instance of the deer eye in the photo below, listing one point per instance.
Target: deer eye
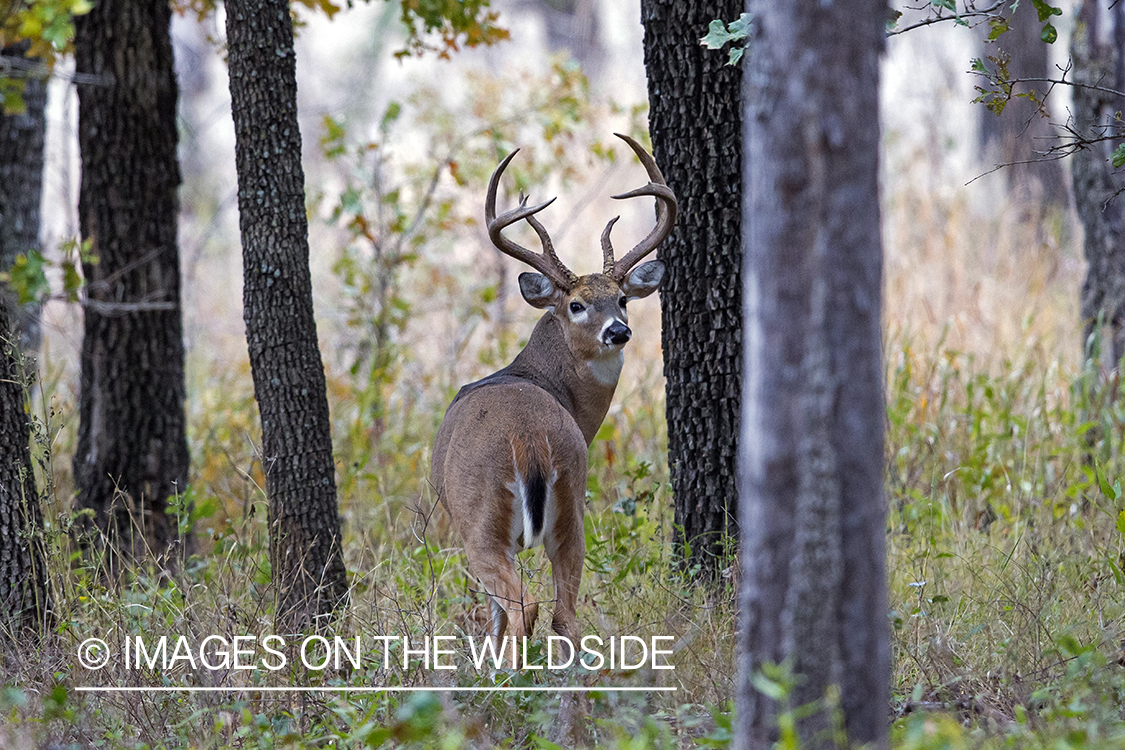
(576, 307)
(622, 302)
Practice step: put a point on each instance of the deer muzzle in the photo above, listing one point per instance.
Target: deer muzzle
(617, 334)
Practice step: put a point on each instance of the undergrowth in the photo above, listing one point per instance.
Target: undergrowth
(1006, 538)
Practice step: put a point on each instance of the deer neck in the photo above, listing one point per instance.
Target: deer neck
(583, 388)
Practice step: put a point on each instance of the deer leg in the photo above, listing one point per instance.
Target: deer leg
(496, 572)
(566, 569)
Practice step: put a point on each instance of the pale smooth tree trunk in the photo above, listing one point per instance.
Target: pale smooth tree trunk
(812, 510)
(289, 383)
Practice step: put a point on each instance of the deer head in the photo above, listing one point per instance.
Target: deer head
(593, 308)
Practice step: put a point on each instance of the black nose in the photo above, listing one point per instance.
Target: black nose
(617, 334)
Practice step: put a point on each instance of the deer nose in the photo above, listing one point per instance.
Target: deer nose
(617, 334)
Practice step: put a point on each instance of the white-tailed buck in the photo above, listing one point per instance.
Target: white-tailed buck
(509, 461)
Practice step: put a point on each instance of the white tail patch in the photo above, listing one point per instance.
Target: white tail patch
(522, 534)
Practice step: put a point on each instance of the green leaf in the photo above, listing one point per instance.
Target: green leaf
(1046, 11)
(1121, 522)
(1119, 158)
(740, 29)
(29, 278)
(1105, 487)
(996, 27)
(394, 109)
(333, 141)
(767, 687)
(717, 35)
(11, 96)
(72, 281)
(735, 55)
(1049, 34)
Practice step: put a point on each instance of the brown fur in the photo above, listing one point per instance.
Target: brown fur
(543, 411)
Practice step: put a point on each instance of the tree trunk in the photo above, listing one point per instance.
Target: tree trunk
(132, 448)
(1095, 49)
(573, 25)
(22, 138)
(289, 382)
(695, 119)
(1021, 133)
(24, 596)
(813, 581)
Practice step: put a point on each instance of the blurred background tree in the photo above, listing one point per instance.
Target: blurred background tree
(1024, 132)
(23, 131)
(1098, 51)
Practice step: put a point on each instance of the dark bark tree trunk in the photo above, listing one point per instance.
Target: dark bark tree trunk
(24, 595)
(132, 448)
(1096, 48)
(289, 382)
(695, 118)
(22, 138)
(1020, 133)
(813, 579)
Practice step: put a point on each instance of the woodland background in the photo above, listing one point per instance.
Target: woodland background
(1005, 534)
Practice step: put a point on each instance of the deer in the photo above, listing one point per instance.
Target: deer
(509, 461)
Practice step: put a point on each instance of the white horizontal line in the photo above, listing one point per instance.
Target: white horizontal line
(383, 689)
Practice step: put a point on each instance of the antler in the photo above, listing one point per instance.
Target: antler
(666, 210)
(547, 262)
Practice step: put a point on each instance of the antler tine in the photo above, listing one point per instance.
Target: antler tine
(666, 211)
(607, 247)
(547, 262)
(549, 251)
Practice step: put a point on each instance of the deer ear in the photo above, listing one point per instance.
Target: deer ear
(643, 280)
(538, 290)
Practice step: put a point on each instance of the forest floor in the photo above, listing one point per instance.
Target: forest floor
(1005, 538)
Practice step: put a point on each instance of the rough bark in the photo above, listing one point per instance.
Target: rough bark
(1020, 134)
(812, 511)
(1096, 50)
(288, 374)
(132, 448)
(24, 595)
(22, 139)
(695, 118)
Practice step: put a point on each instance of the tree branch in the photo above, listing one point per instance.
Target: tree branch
(969, 13)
